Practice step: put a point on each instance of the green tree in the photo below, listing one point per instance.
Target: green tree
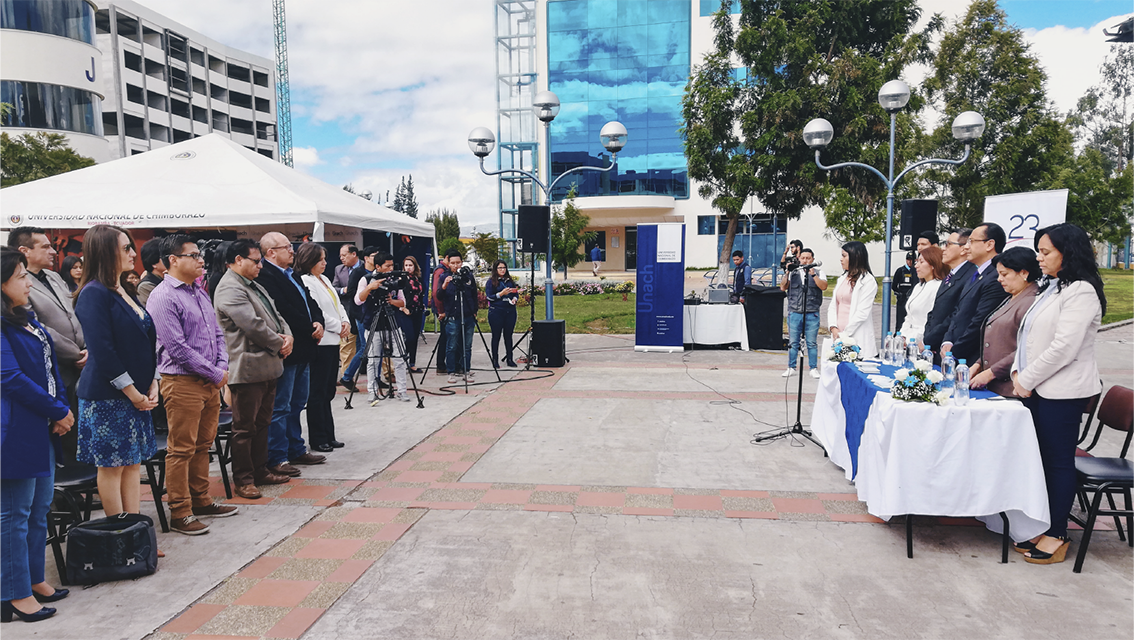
(567, 233)
(452, 243)
(409, 200)
(1098, 198)
(34, 156)
(488, 247)
(399, 197)
(1104, 116)
(984, 65)
(445, 225)
(365, 195)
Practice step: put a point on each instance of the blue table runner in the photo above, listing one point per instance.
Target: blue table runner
(857, 394)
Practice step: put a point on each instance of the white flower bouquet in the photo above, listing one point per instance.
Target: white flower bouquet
(843, 350)
(920, 384)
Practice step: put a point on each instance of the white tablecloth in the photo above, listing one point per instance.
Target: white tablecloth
(917, 458)
(715, 324)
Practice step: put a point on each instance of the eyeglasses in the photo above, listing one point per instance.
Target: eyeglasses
(191, 256)
(972, 240)
(955, 244)
(284, 246)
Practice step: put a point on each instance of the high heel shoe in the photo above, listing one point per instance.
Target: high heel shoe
(55, 597)
(1036, 556)
(1024, 547)
(511, 363)
(7, 610)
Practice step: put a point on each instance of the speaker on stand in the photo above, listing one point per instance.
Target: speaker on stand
(917, 216)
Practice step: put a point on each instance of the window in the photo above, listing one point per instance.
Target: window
(259, 78)
(263, 105)
(197, 56)
(705, 225)
(73, 19)
(37, 105)
(239, 73)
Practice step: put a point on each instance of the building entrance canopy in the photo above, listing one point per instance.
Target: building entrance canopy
(206, 182)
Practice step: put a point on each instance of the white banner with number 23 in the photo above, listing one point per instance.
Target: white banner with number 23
(1022, 214)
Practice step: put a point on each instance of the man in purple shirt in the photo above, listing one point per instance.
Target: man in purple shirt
(193, 363)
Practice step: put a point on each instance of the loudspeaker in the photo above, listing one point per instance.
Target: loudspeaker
(764, 316)
(532, 228)
(917, 216)
(549, 343)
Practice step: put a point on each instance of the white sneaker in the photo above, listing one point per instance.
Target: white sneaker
(404, 397)
(470, 375)
(373, 400)
(789, 373)
(452, 379)
(815, 373)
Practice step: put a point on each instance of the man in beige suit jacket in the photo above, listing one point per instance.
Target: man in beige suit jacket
(257, 339)
(51, 300)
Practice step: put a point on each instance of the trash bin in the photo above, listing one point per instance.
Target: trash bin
(764, 315)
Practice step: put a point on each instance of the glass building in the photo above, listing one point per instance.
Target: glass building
(624, 60)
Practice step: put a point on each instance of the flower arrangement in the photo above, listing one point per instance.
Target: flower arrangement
(584, 288)
(920, 384)
(844, 350)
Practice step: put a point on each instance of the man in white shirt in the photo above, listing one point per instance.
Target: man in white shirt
(803, 315)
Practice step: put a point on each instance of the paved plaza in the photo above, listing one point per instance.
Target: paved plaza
(618, 497)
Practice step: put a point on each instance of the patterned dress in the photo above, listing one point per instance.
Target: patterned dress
(112, 433)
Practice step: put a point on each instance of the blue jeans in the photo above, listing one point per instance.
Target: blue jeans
(24, 503)
(795, 327)
(356, 362)
(285, 435)
(455, 341)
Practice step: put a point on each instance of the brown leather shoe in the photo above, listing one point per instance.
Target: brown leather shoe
(309, 458)
(285, 469)
(247, 491)
(273, 478)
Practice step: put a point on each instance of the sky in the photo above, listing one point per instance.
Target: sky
(385, 89)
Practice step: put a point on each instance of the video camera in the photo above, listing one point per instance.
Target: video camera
(792, 263)
(463, 276)
(394, 280)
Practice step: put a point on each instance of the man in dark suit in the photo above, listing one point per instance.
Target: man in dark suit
(953, 254)
(981, 293)
(303, 316)
(348, 340)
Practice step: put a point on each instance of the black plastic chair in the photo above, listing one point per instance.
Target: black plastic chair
(1107, 476)
(222, 448)
(75, 487)
(155, 477)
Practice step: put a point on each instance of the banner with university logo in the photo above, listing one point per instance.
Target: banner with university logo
(660, 287)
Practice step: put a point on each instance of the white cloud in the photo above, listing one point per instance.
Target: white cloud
(305, 157)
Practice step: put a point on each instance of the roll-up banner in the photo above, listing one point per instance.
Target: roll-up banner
(660, 287)
(1022, 214)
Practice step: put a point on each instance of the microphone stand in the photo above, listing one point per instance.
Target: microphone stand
(797, 429)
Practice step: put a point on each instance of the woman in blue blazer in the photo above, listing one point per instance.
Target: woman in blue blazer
(118, 386)
(35, 413)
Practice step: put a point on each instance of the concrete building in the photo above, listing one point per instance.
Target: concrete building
(625, 60)
(51, 72)
(167, 83)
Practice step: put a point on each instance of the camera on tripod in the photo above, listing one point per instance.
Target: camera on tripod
(394, 280)
(464, 276)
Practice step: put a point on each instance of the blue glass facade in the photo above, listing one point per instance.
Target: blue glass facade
(37, 105)
(73, 19)
(625, 60)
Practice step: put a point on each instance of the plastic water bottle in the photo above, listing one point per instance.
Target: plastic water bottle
(887, 346)
(897, 349)
(948, 370)
(961, 389)
(911, 354)
(927, 355)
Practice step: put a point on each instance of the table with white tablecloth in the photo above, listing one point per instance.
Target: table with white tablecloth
(715, 324)
(976, 460)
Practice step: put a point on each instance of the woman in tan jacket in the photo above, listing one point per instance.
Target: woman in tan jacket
(1055, 370)
(1017, 271)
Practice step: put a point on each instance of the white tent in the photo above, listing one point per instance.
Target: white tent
(203, 183)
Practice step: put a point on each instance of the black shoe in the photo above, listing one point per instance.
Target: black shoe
(323, 448)
(7, 610)
(349, 385)
(55, 597)
(383, 385)
(511, 363)
(336, 444)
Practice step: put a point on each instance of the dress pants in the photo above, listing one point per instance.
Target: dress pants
(320, 422)
(24, 503)
(502, 320)
(1057, 429)
(348, 346)
(411, 331)
(359, 354)
(192, 406)
(251, 417)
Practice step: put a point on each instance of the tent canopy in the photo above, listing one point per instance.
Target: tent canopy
(206, 182)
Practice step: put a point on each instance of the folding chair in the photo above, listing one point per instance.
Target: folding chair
(155, 477)
(1107, 476)
(75, 487)
(222, 448)
(1089, 410)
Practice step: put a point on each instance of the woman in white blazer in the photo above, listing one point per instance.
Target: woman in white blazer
(1055, 371)
(852, 305)
(930, 270)
(310, 263)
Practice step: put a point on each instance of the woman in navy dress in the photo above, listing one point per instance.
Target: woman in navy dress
(502, 294)
(35, 413)
(118, 386)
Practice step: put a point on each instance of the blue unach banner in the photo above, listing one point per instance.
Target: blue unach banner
(660, 285)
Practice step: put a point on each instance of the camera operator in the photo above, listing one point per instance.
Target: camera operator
(459, 293)
(804, 279)
(790, 258)
(374, 290)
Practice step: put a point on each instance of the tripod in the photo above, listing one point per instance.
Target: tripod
(797, 429)
(531, 323)
(384, 327)
(463, 345)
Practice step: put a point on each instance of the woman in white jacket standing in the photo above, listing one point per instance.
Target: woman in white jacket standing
(310, 263)
(852, 305)
(1055, 370)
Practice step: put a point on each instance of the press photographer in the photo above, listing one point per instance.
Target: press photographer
(378, 292)
(804, 279)
(459, 293)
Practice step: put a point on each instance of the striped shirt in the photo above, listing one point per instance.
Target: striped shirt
(190, 341)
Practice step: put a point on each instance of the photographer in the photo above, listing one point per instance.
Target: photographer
(383, 339)
(459, 293)
(803, 279)
(790, 258)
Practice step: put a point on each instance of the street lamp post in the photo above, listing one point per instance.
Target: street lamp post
(546, 105)
(893, 97)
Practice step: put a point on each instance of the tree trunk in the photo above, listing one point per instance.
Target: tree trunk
(724, 262)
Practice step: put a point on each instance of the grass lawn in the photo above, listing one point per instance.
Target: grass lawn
(1119, 288)
(602, 313)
